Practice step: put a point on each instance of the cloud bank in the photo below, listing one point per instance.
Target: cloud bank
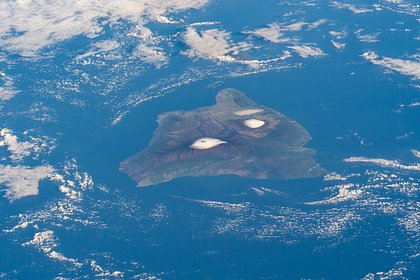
(28, 26)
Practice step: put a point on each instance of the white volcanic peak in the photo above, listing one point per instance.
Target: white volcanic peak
(206, 143)
(405, 67)
(254, 123)
(42, 23)
(248, 112)
(212, 44)
(306, 51)
(384, 163)
(21, 181)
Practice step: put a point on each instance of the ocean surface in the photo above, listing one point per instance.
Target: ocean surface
(84, 115)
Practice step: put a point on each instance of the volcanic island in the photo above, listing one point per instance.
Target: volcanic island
(235, 136)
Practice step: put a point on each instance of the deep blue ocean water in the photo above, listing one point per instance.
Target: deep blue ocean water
(172, 231)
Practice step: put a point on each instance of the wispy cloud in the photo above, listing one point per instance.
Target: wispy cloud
(357, 9)
(338, 35)
(415, 153)
(102, 48)
(345, 192)
(406, 67)
(338, 45)
(306, 51)
(276, 33)
(367, 38)
(46, 242)
(384, 163)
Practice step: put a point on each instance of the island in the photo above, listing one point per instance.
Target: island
(235, 136)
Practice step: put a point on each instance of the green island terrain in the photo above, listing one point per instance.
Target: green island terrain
(234, 136)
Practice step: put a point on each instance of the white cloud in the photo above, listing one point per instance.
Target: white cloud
(307, 51)
(405, 67)
(104, 273)
(7, 93)
(204, 23)
(212, 44)
(150, 54)
(28, 26)
(215, 44)
(334, 177)
(46, 242)
(102, 47)
(272, 33)
(21, 181)
(18, 150)
(318, 23)
(384, 163)
(7, 89)
(338, 45)
(357, 9)
(345, 192)
(367, 38)
(297, 26)
(415, 153)
(338, 34)
(275, 32)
